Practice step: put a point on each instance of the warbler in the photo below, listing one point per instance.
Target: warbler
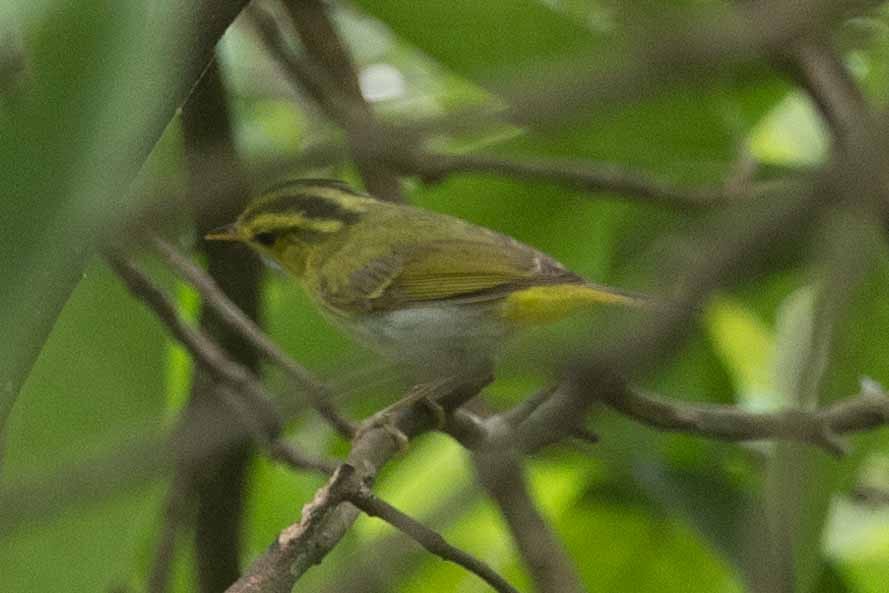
(430, 291)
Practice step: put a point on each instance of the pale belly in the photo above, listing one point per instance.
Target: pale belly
(434, 340)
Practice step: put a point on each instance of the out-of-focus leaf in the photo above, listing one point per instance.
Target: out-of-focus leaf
(486, 40)
(98, 382)
(73, 139)
(746, 346)
(791, 134)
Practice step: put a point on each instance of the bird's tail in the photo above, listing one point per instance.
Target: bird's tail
(553, 302)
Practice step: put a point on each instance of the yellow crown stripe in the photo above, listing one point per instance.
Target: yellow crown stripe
(283, 221)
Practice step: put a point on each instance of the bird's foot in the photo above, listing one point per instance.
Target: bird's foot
(422, 394)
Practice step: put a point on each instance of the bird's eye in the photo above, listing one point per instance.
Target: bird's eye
(267, 239)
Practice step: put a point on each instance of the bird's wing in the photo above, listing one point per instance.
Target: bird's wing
(453, 270)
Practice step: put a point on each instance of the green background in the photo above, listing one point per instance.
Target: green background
(640, 511)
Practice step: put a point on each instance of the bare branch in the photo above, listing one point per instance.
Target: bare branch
(500, 472)
(864, 411)
(361, 496)
(322, 43)
(201, 347)
(384, 560)
(238, 389)
(874, 496)
(818, 68)
(291, 456)
(304, 544)
(315, 391)
(588, 176)
(271, 572)
(173, 516)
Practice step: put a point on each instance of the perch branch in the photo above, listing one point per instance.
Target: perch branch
(324, 521)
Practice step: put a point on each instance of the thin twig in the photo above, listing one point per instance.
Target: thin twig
(202, 348)
(292, 456)
(821, 71)
(316, 392)
(364, 499)
(382, 561)
(874, 496)
(236, 381)
(500, 473)
(588, 176)
(866, 410)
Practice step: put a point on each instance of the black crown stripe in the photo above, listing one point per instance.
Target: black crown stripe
(309, 206)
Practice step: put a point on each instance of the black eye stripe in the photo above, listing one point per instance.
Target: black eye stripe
(267, 239)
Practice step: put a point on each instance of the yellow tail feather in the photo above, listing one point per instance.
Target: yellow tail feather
(548, 304)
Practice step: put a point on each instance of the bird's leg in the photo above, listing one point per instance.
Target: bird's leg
(421, 393)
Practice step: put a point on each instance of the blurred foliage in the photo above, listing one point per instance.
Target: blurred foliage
(640, 511)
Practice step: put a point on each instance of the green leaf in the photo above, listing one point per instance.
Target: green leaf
(76, 129)
(98, 382)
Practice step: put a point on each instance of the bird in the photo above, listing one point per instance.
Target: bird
(433, 293)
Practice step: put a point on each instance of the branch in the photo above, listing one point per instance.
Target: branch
(864, 411)
(324, 522)
(382, 561)
(818, 68)
(324, 47)
(254, 409)
(204, 350)
(174, 509)
(873, 496)
(295, 458)
(500, 472)
(361, 496)
(588, 176)
(315, 391)
(271, 573)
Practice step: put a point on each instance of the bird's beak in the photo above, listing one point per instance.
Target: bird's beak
(223, 233)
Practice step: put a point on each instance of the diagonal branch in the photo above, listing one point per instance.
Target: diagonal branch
(238, 387)
(315, 391)
(500, 472)
(204, 350)
(817, 67)
(324, 47)
(361, 496)
(174, 512)
(324, 521)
